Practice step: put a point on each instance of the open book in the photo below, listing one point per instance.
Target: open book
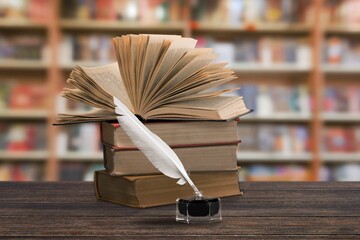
(156, 77)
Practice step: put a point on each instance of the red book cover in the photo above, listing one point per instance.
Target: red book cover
(21, 97)
(27, 96)
(39, 10)
(335, 140)
(16, 174)
(17, 139)
(106, 10)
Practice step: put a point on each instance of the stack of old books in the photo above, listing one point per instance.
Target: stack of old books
(174, 88)
(206, 148)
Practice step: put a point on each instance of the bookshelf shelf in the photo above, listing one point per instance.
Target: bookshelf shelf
(24, 156)
(249, 157)
(340, 69)
(342, 29)
(341, 117)
(21, 24)
(340, 157)
(275, 68)
(23, 64)
(24, 114)
(277, 117)
(99, 25)
(284, 28)
(81, 156)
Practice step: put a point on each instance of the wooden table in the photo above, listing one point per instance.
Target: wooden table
(57, 210)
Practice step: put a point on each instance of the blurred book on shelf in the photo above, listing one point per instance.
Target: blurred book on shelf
(264, 51)
(23, 47)
(77, 145)
(146, 12)
(340, 172)
(86, 48)
(251, 12)
(267, 101)
(261, 172)
(345, 139)
(76, 171)
(73, 171)
(340, 50)
(81, 138)
(22, 96)
(22, 137)
(340, 12)
(31, 10)
(20, 172)
(280, 138)
(342, 99)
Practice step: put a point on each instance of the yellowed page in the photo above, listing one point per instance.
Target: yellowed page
(108, 78)
(80, 96)
(151, 56)
(180, 68)
(193, 87)
(124, 58)
(217, 108)
(176, 50)
(150, 79)
(92, 116)
(201, 95)
(201, 75)
(189, 92)
(143, 44)
(209, 104)
(187, 71)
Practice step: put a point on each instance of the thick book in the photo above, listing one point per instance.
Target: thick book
(175, 132)
(197, 157)
(157, 190)
(156, 77)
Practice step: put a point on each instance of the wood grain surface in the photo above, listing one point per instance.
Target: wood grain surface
(69, 210)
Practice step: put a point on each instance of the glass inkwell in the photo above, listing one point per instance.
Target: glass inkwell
(198, 209)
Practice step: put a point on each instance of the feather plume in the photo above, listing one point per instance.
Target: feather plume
(153, 147)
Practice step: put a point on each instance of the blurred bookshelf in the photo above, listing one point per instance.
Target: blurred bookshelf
(24, 114)
(297, 62)
(272, 157)
(84, 157)
(24, 156)
(105, 25)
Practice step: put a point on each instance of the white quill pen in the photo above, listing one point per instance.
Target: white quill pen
(153, 147)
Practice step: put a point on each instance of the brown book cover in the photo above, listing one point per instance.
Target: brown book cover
(156, 190)
(197, 157)
(175, 132)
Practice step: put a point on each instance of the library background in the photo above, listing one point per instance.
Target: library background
(297, 62)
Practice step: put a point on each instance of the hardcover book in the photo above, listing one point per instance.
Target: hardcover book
(155, 190)
(122, 161)
(156, 77)
(175, 133)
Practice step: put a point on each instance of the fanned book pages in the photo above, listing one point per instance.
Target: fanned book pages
(156, 77)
